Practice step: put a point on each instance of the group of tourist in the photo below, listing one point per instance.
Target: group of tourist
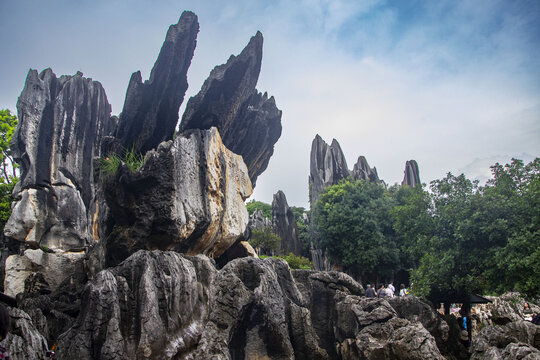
(387, 290)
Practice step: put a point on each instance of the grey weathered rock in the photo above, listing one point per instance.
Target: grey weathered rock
(150, 113)
(319, 259)
(284, 223)
(412, 174)
(54, 268)
(62, 122)
(514, 340)
(188, 196)
(258, 221)
(327, 167)
(152, 306)
(248, 121)
(362, 171)
(23, 340)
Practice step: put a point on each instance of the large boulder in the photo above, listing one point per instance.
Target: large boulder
(284, 223)
(62, 122)
(150, 113)
(249, 122)
(188, 196)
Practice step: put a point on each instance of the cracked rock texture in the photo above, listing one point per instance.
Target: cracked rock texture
(23, 340)
(249, 122)
(150, 112)
(165, 305)
(62, 121)
(188, 197)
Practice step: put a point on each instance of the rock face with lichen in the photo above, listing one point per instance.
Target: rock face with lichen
(188, 197)
(249, 122)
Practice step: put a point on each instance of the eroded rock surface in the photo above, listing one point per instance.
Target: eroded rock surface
(249, 122)
(23, 340)
(152, 306)
(284, 223)
(150, 113)
(188, 197)
(62, 122)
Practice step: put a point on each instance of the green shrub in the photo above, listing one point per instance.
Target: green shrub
(109, 165)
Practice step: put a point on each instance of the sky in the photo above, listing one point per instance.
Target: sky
(454, 85)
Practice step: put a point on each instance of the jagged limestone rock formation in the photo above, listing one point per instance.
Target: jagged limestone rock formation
(62, 122)
(284, 223)
(164, 305)
(153, 306)
(258, 221)
(23, 340)
(362, 171)
(249, 122)
(327, 167)
(150, 113)
(188, 197)
(412, 174)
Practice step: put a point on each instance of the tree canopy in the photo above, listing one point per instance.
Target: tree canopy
(456, 237)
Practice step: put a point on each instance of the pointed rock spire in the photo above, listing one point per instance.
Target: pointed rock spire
(150, 113)
(249, 122)
(412, 174)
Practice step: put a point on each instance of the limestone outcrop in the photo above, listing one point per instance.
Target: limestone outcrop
(188, 197)
(150, 113)
(62, 122)
(412, 174)
(327, 167)
(167, 305)
(23, 340)
(249, 122)
(284, 224)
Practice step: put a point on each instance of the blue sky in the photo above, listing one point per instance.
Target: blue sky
(454, 85)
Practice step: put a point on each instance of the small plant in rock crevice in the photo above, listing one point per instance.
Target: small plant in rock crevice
(110, 164)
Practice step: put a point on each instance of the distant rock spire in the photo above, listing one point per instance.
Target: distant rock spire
(361, 170)
(327, 167)
(412, 174)
(284, 223)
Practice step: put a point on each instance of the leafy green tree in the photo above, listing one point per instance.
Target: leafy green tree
(266, 209)
(355, 227)
(8, 123)
(266, 241)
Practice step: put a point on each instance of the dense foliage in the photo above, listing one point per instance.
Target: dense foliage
(265, 208)
(459, 236)
(9, 175)
(265, 241)
(295, 262)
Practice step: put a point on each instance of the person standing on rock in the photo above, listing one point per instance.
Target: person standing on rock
(392, 289)
(370, 293)
(402, 290)
(381, 293)
(4, 327)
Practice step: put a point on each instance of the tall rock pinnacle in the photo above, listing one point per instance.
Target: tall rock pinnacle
(412, 174)
(327, 167)
(249, 122)
(150, 113)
